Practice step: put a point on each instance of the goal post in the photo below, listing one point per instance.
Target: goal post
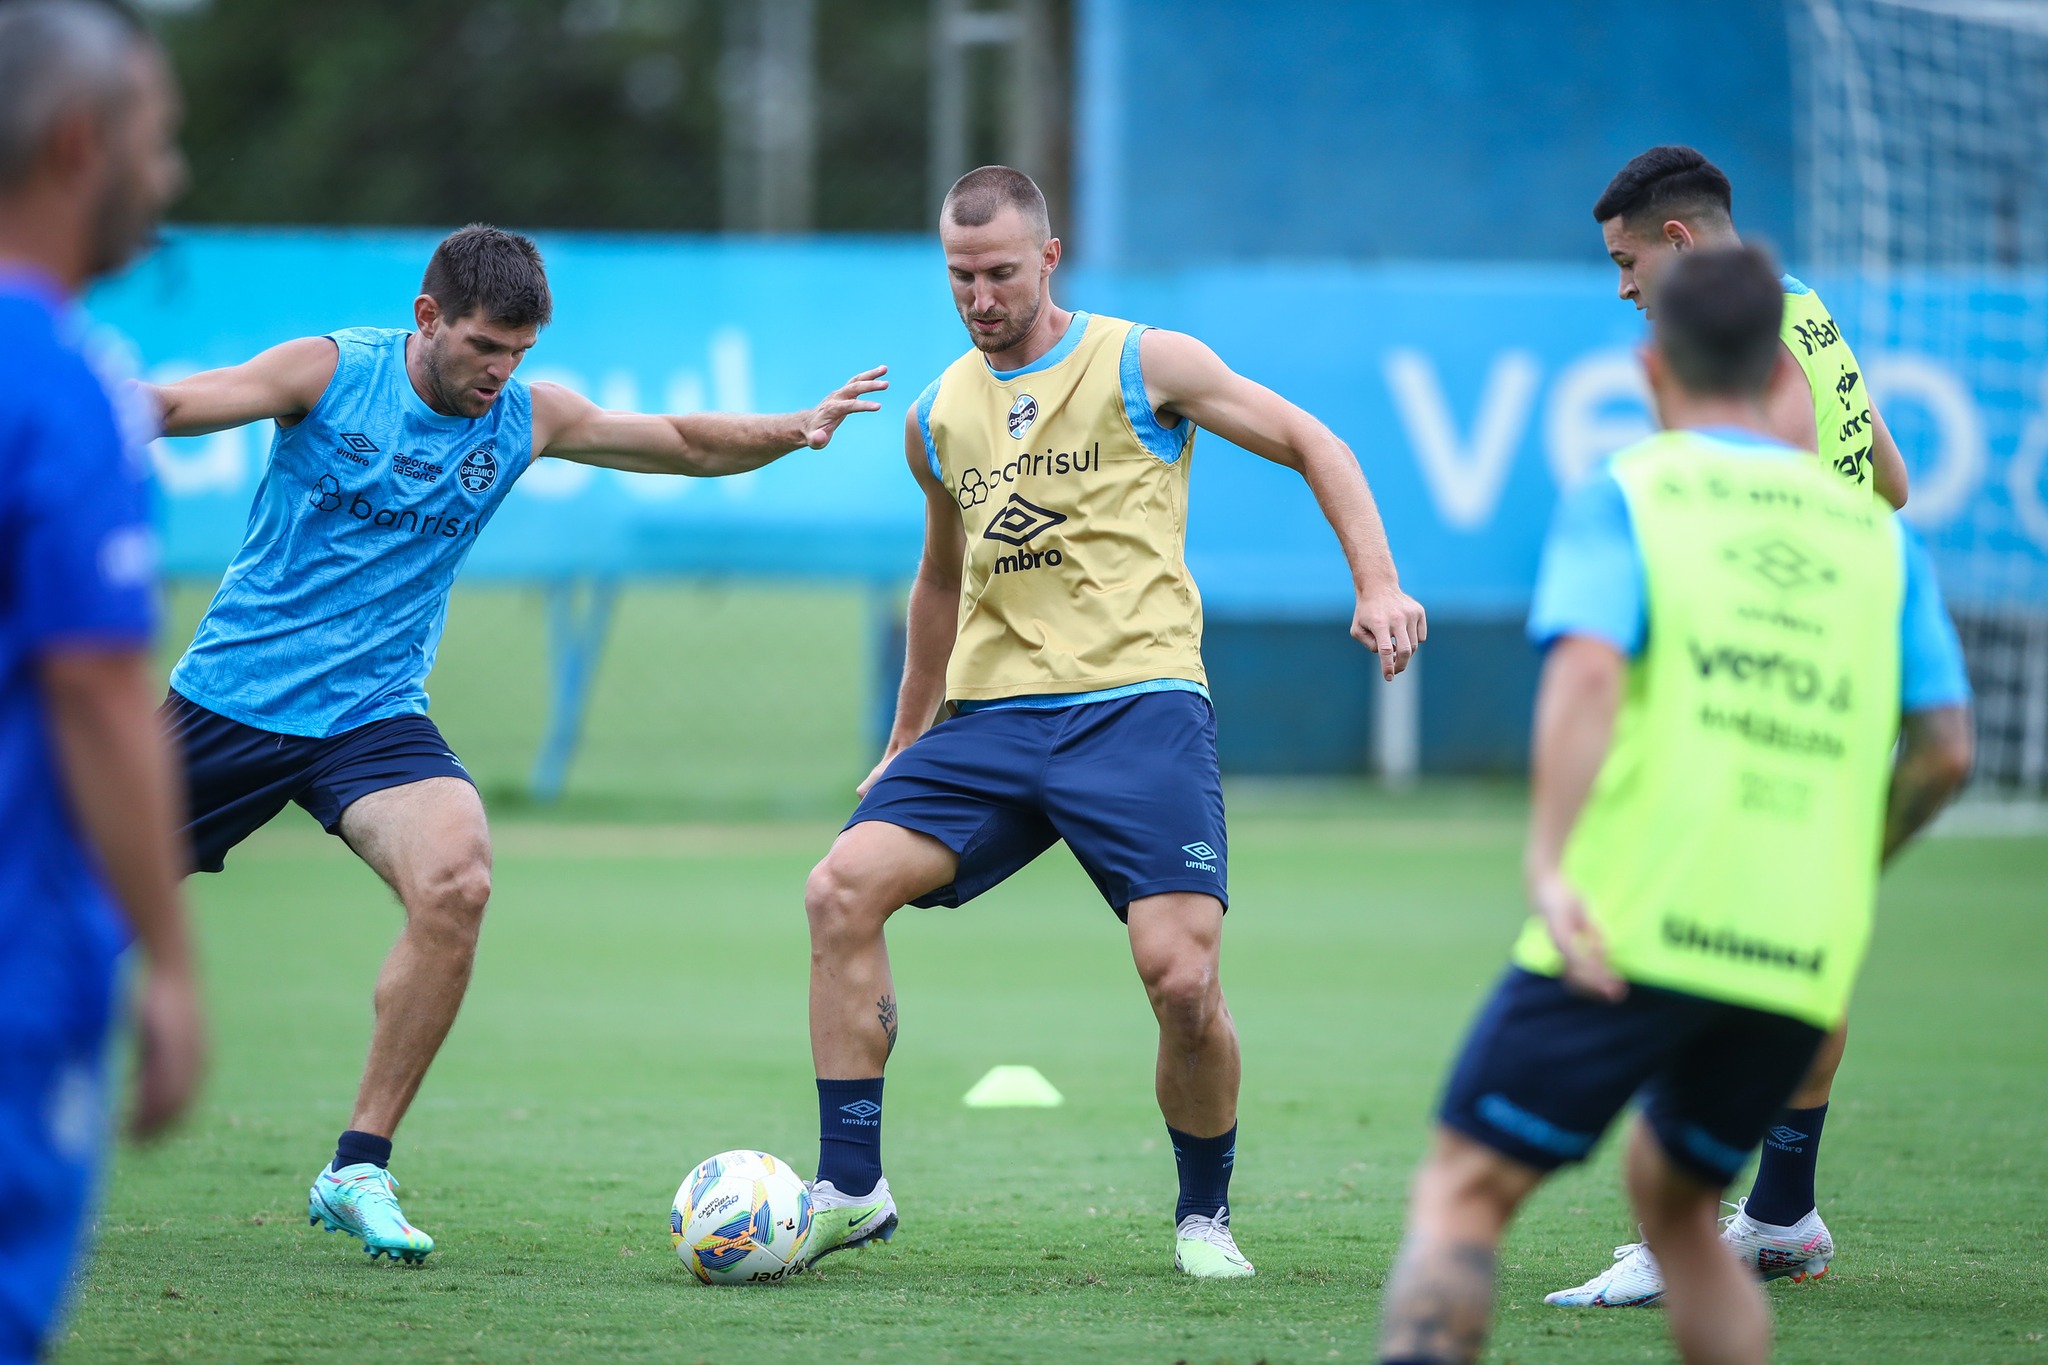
(1923, 167)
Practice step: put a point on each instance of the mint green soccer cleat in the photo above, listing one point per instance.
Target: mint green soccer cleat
(359, 1201)
(1204, 1248)
(840, 1222)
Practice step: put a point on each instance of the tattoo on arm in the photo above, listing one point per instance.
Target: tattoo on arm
(885, 1011)
(1439, 1301)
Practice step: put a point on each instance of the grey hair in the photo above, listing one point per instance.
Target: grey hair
(57, 56)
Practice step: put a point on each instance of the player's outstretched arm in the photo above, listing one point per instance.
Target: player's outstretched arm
(1576, 703)
(283, 383)
(934, 616)
(1936, 748)
(705, 444)
(1184, 376)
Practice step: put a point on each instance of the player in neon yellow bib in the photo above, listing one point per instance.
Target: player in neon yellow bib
(1053, 688)
(1671, 200)
(1668, 201)
(1733, 635)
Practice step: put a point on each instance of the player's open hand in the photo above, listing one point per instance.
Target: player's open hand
(843, 401)
(875, 774)
(1391, 623)
(170, 1048)
(1572, 930)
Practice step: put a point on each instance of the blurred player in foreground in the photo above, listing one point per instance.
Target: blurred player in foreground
(88, 796)
(1733, 633)
(1053, 687)
(304, 680)
(1668, 201)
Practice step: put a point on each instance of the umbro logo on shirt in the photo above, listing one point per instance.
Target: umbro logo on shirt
(356, 448)
(1018, 522)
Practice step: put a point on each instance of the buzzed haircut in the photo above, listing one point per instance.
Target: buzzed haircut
(1665, 183)
(1717, 322)
(56, 58)
(487, 268)
(978, 196)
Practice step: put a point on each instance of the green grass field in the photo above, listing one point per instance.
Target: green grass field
(639, 1004)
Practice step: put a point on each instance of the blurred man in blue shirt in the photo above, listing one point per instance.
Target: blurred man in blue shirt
(87, 807)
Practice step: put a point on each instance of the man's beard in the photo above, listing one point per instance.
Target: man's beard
(1009, 336)
(445, 401)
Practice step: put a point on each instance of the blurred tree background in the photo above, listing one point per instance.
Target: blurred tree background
(670, 115)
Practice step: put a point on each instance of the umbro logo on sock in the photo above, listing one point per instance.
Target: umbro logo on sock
(1784, 1136)
(861, 1109)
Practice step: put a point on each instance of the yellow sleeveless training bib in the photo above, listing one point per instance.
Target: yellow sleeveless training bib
(1074, 499)
(1729, 847)
(1841, 404)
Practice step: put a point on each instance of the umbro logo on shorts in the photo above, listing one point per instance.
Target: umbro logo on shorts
(1199, 854)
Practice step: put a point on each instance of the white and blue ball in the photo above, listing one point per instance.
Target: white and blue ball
(741, 1218)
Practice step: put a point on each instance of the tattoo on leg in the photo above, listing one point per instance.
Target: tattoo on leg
(885, 1010)
(1439, 1300)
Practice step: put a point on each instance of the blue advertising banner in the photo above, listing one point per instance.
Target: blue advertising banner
(1470, 395)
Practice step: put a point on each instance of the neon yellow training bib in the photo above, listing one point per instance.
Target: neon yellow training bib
(1075, 578)
(1841, 404)
(1730, 845)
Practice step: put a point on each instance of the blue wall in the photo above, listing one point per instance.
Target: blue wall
(1471, 396)
(1477, 130)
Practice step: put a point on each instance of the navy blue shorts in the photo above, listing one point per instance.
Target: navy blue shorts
(1131, 784)
(1545, 1071)
(237, 778)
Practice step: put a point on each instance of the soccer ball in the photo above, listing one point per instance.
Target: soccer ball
(741, 1218)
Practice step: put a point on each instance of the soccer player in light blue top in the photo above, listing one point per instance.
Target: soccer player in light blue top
(304, 681)
(88, 846)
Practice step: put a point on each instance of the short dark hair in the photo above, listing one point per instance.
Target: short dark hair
(1718, 316)
(1669, 182)
(55, 57)
(978, 196)
(492, 269)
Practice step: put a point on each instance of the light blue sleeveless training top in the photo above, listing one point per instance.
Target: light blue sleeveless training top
(329, 617)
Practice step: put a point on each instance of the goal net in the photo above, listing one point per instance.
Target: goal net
(1923, 167)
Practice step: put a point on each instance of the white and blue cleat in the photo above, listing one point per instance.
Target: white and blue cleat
(360, 1201)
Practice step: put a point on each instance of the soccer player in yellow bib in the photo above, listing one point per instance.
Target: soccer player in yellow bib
(1668, 201)
(1733, 635)
(1053, 688)
(1671, 200)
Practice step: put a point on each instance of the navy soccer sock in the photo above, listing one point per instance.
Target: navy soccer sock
(1204, 1171)
(356, 1148)
(1783, 1193)
(850, 1134)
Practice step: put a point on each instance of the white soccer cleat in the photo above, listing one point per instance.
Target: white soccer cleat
(1204, 1248)
(841, 1222)
(1798, 1253)
(1635, 1280)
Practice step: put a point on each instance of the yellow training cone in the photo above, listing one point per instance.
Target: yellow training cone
(1013, 1087)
